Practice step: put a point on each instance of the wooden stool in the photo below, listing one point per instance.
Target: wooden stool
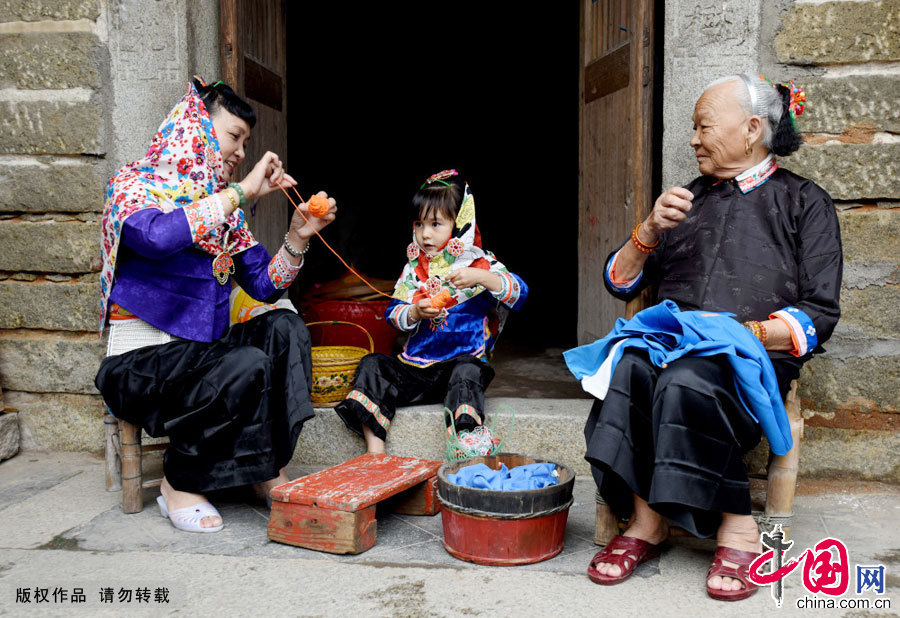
(334, 510)
(780, 488)
(124, 463)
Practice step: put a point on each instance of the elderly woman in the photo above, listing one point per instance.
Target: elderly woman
(747, 238)
(231, 400)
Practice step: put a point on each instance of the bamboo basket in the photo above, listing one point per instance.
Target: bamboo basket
(334, 367)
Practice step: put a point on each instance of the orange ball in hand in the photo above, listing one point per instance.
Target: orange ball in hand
(440, 301)
(318, 206)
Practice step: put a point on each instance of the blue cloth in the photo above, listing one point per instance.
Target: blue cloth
(465, 331)
(528, 476)
(164, 281)
(667, 334)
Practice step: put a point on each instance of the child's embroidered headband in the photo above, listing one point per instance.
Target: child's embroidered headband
(440, 177)
(202, 82)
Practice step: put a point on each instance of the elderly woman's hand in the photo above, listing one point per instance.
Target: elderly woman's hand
(668, 212)
(265, 177)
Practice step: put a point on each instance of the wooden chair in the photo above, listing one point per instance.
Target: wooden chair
(781, 485)
(124, 463)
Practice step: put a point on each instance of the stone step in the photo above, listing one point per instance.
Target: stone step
(554, 429)
(547, 428)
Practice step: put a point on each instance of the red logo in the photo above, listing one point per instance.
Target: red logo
(826, 567)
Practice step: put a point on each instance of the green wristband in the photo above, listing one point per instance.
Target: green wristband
(240, 192)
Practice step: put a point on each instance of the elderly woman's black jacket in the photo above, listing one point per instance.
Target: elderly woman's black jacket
(752, 254)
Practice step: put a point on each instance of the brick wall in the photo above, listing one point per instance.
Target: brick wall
(83, 85)
(844, 54)
(852, 134)
(53, 64)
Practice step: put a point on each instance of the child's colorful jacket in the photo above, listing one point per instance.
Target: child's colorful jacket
(469, 324)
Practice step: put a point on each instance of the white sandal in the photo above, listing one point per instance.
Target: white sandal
(189, 518)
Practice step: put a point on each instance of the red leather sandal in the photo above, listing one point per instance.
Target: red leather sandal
(740, 572)
(636, 552)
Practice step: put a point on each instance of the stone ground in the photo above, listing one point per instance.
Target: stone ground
(60, 528)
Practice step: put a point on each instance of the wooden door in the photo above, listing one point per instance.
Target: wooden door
(253, 63)
(615, 123)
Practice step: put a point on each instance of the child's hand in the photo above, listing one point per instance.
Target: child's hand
(469, 277)
(423, 310)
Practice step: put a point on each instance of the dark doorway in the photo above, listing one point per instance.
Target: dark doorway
(382, 95)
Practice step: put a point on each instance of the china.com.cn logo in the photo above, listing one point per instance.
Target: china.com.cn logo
(826, 568)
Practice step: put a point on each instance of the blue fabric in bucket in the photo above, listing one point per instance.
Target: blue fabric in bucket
(528, 476)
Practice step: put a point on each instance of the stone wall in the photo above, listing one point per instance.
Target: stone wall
(704, 39)
(83, 86)
(845, 54)
(852, 134)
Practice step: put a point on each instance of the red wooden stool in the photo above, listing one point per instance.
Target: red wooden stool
(334, 510)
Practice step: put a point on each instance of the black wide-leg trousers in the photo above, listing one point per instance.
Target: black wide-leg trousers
(232, 408)
(386, 383)
(676, 437)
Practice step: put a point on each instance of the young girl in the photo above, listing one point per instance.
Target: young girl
(446, 354)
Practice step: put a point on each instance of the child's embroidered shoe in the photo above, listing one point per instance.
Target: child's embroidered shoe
(478, 442)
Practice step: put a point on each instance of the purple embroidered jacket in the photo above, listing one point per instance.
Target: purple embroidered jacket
(168, 283)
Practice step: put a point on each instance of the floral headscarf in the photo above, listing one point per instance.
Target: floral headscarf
(425, 277)
(182, 165)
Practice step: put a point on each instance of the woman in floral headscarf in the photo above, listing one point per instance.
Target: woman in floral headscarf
(232, 403)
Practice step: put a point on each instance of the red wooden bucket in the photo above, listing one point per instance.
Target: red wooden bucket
(504, 528)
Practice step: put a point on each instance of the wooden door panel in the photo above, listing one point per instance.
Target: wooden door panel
(253, 62)
(609, 23)
(615, 153)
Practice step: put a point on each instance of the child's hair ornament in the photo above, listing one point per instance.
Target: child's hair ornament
(440, 177)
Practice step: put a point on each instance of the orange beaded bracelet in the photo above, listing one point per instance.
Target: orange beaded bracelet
(758, 330)
(639, 244)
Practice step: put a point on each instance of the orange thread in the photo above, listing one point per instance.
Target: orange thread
(318, 206)
(440, 301)
(325, 242)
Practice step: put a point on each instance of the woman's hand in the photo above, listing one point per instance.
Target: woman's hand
(302, 230)
(778, 335)
(423, 310)
(265, 177)
(469, 277)
(668, 212)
